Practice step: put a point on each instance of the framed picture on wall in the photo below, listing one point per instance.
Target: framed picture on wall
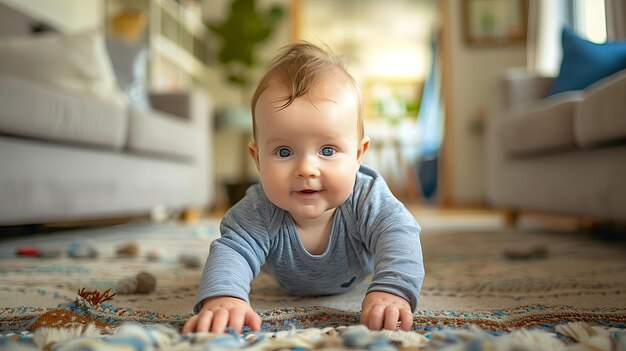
(495, 22)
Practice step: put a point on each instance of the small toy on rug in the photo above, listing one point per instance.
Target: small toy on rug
(128, 250)
(153, 255)
(142, 283)
(160, 214)
(82, 249)
(190, 261)
(192, 215)
(43, 252)
(526, 254)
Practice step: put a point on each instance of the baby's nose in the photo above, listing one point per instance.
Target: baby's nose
(308, 168)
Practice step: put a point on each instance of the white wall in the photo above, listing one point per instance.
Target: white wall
(475, 74)
(68, 16)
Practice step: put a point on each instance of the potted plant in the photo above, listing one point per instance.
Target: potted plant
(240, 34)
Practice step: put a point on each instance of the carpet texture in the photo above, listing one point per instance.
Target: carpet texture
(492, 281)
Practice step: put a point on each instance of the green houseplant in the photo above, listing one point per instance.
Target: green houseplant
(240, 34)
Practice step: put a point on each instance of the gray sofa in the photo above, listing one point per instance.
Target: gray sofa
(562, 154)
(69, 157)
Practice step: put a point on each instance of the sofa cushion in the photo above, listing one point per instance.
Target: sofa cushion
(585, 63)
(36, 111)
(158, 133)
(601, 116)
(76, 62)
(541, 127)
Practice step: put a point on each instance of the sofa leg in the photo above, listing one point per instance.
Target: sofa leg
(589, 224)
(511, 218)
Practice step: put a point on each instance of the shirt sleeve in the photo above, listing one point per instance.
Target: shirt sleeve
(389, 231)
(235, 258)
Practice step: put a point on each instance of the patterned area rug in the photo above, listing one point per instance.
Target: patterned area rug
(491, 280)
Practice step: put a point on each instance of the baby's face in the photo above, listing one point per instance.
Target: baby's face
(309, 152)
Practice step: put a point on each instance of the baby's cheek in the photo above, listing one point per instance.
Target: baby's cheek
(343, 182)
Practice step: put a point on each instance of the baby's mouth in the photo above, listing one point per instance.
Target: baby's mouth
(308, 192)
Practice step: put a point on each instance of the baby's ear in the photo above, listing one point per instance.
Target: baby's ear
(364, 145)
(254, 153)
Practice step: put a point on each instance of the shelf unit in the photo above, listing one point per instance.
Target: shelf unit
(176, 38)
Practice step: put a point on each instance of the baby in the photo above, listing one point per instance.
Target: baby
(319, 222)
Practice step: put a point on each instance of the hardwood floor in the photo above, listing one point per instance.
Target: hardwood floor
(429, 217)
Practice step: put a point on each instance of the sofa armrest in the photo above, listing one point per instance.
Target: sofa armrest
(196, 107)
(521, 86)
(185, 104)
(599, 118)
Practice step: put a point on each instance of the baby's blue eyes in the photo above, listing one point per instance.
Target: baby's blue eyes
(328, 151)
(284, 152)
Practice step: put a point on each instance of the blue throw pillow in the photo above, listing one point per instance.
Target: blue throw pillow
(585, 62)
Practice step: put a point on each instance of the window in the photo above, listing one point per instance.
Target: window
(547, 18)
(589, 20)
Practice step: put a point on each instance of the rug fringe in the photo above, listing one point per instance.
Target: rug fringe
(45, 337)
(162, 337)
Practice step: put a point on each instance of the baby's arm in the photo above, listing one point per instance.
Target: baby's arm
(392, 295)
(384, 310)
(235, 259)
(221, 311)
(389, 232)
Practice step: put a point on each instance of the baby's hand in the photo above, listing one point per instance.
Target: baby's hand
(219, 312)
(385, 310)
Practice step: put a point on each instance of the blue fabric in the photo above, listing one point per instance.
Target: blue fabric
(430, 118)
(585, 62)
(431, 121)
(427, 173)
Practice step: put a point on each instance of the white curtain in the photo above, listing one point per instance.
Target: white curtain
(545, 22)
(615, 19)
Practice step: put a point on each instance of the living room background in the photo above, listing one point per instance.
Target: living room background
(471, 74)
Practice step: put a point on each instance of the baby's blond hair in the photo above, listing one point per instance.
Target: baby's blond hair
(299, 67)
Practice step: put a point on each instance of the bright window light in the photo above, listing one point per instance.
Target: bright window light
(399, 64)
(591, 20)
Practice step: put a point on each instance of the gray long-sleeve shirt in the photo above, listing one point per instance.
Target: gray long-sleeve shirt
(371, 232)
